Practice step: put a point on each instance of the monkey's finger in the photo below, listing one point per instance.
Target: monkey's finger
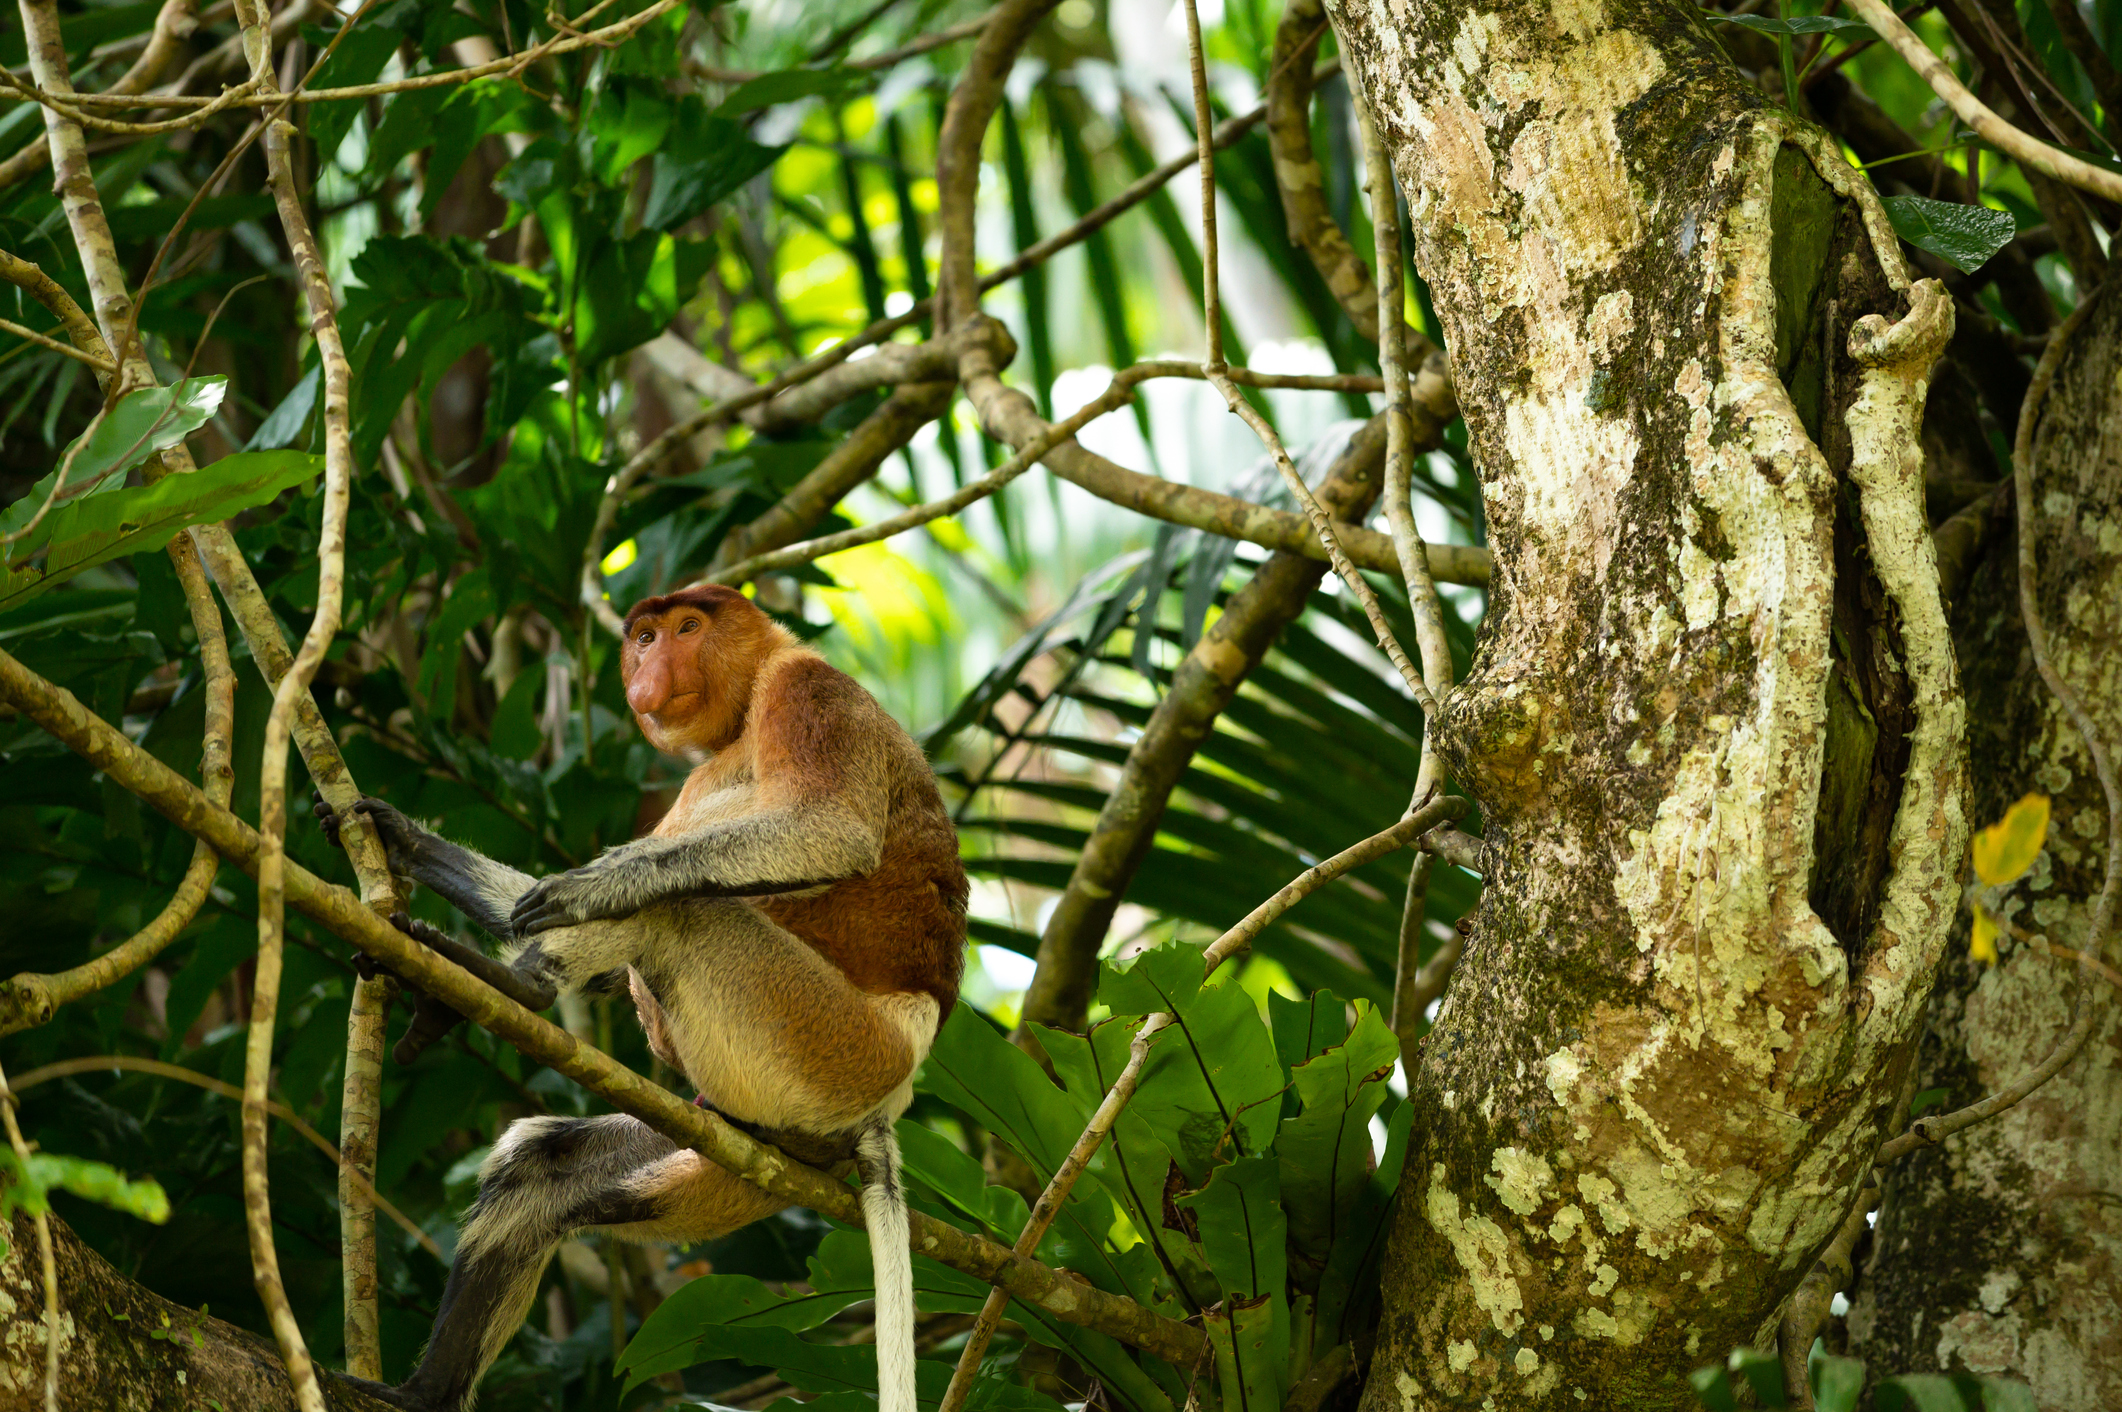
(326, 816)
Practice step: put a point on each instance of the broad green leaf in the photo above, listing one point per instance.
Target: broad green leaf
(1324, 1151)
(1307, 1027)
(143, 423)
(2006, 849)
(1837, 1382)
(1926, 1392)
(1962, 236)
(126, 520)
(1713, 1389)
(1248, 1338)
(1763, 1373)
(29, 1184)
(1928, 1099)
(1851, 30)
(786, 86)
(936, 1163)
(1999, 1395)
(1212, 1086)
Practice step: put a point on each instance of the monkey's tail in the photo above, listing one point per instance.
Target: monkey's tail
(884, 1212)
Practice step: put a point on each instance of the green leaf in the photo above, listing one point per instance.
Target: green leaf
(1211, 1085)
(1837, 1382)
(1713, 1389)
(126, 520)
(933, 1161)
(1851, 30)
(1962, 236)
(1247, 1336)
(1926, 1392)
(1763, 1373)
(1324, 1151)
(143, 423)
(786, 86)
(1929, 1098)
(29, 1183)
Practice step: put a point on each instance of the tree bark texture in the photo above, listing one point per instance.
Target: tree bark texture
(123, 1349)
(1713, 725)
(2001, 1251)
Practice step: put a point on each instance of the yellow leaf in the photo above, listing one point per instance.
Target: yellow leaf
(2007, 848)
(1983, 945)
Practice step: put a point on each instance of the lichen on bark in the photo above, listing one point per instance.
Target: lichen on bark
(2000, 1253)
(1661, 1071)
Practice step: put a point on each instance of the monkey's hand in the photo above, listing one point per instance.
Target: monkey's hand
(401, 836)
(432, 1018)
(566, 899)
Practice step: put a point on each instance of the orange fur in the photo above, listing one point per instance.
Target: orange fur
(772, 724)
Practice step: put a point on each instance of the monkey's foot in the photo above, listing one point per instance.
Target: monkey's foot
(382, 1393)
(432, 1018)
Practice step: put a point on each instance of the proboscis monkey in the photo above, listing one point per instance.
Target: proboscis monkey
(793, 933)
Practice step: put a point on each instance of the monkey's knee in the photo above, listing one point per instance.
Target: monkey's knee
(686, 1198)
(548, 1177)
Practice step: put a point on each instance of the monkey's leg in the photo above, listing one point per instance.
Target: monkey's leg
(771, 1031)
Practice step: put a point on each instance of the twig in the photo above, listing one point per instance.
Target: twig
(343, 914)
(1237, 939)
(2012, 141)
(1250, 415)
(73, 320)
(1928, 1132)
(272, 777)
(911, 49)
(31, 93)
(1117, 394)
(30, 335)
(1416, 987)
(101, 1062)
(29, 999)
(174, 24)
(52, 1314)
(1204, 128)
(1813, 1300)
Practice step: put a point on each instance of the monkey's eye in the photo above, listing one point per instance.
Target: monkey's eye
(689, 625)
(645, 638)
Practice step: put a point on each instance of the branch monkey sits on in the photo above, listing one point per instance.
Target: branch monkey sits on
(792, 932)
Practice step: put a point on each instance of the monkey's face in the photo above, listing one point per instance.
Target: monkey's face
(688, 662)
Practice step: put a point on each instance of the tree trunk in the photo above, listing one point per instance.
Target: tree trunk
(2001, 1251)
(1712, 726)
(123, 1349)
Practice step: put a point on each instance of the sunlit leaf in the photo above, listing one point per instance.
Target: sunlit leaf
(1982, 941)
(2007, 848)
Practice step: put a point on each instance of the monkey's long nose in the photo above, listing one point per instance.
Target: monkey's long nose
(650, 688)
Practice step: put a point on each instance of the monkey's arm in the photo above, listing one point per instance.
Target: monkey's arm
(823, 796)
(477, 886)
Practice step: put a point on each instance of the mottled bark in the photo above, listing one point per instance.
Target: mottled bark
(2001, 1251)
(123, 1349)
(1712, 725)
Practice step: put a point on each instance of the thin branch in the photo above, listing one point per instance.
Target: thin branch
(1239, 938)
(1204, 128)
(29, 999)
(100, 1063)
(175, 23)
(1929, 1132)
(30, 335)
(229, 98)
(890, 57)
(53, 1316)
(272, 777)
(340, 912)
(1118, 393)
(1249, 414)
(1813, 1300)
(2013, 142)
(73, 319)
